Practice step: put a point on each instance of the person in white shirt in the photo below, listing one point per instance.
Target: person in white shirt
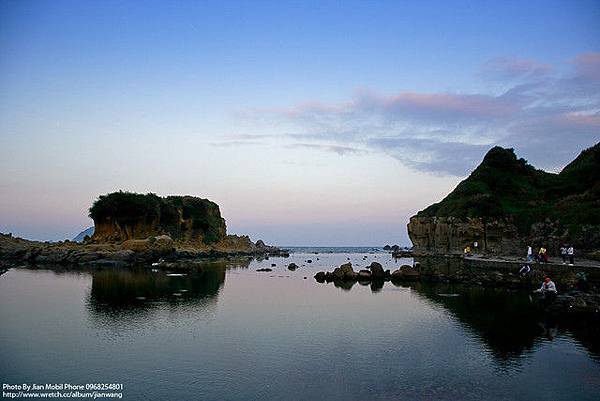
(529, 253)
(563, 253)
(524, 271)
(571, 254)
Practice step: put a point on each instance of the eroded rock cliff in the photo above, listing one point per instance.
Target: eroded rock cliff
(506, 204)
(122, 216)
(450, 235)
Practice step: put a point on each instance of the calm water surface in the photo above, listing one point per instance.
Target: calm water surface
(229, 332)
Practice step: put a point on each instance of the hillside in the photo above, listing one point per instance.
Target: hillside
(522, 204)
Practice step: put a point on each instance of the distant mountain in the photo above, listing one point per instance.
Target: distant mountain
(88, 231)
(506, 203)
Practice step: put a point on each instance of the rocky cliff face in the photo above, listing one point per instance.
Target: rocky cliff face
(123, 216)
(450, 235)
(506, 204)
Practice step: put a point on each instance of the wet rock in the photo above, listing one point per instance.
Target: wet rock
(292, 266)
(364, 275)
(266, 269)
(405, 273)
(108, 263)
(377, 270)
(320, 277)
(344, 272)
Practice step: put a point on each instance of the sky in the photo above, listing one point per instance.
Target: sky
(309, 123)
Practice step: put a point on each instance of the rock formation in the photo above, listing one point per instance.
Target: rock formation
(134, 228)
(506, 204)
(122, 216)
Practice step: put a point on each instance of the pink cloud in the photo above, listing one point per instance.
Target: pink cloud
(580, 120)
(514, 68)
(587, 65)
(444, 104)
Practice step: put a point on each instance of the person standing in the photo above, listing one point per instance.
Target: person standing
(529, 253)
(563, 253)
(542, 257)
(571, 254)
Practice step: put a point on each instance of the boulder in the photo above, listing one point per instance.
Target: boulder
(364, 275)
(344, 272)
(405, 273)
(292, 266)
(320, 277)
(376, 271)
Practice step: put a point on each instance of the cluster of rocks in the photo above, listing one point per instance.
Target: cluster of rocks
(576, 304)
(374, 272)
(126, 253)
(292, 266)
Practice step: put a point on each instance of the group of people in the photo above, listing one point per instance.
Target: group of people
(547, 291)
(566, 252)
(468, 251)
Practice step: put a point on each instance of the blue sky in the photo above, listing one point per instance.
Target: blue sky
(310, 123)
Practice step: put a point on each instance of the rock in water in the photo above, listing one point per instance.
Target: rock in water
(405, 273)
(377, 270)
(292, 266)
(344, 272)
(364, 275)
(320, 277)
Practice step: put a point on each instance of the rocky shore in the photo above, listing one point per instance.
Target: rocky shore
(579, 288)
(131, 228)
(126, 253)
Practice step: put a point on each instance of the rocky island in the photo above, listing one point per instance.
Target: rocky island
(506, 204)
(131, 228)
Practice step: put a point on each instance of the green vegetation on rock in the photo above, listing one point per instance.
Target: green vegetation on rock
(503, 186)
(177, 216)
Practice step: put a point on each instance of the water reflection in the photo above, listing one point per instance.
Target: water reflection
(508, 322)
(122, 294)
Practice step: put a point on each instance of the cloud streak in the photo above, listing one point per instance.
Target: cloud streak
(339, 149)
(547, 117)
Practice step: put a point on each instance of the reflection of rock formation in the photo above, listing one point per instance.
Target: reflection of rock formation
(507, 322)
(119, 294)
